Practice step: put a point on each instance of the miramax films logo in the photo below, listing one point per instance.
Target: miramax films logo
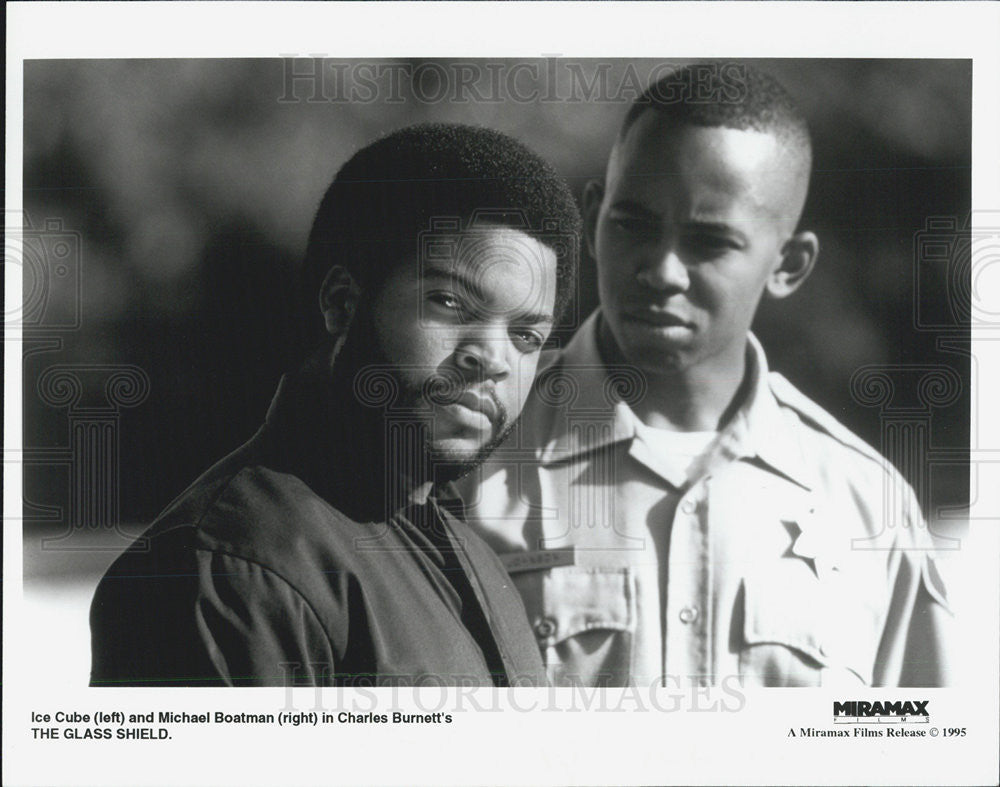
(864, 712)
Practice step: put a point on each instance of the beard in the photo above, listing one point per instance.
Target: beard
(443, 387)
(401, 402)
(451, 465)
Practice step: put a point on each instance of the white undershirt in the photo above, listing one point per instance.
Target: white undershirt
(679, 451)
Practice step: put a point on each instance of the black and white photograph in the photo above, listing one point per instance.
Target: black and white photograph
(630, 385)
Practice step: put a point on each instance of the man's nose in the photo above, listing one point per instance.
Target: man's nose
(484, 356)
(665, 273)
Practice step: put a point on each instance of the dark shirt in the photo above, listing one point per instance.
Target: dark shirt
(256, 575)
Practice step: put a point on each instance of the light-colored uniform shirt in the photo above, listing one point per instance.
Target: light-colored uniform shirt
(789, 553)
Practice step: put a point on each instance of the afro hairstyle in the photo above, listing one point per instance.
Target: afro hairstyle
(390, 193)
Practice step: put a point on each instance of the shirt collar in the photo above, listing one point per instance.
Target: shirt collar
(581, 399)
(316, 432)
(760, 430)
(583, 402)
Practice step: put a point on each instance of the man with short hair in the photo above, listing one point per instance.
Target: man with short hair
(674, 512)
(323, 552)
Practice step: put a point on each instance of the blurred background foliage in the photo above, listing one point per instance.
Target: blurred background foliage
(192, 185)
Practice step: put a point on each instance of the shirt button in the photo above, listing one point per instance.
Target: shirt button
(545, 628)
(689, 614)
(688, 506)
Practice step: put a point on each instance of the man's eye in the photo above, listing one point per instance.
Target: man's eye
(527, 340)
(634, 226)
(445, 299)
(710, 244)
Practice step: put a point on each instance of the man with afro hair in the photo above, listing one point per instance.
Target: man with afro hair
(325, 551)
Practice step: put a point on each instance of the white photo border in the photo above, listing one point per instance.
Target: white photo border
(522, 736)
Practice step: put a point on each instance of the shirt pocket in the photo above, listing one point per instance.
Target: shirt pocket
(805, 632)
(586, 626)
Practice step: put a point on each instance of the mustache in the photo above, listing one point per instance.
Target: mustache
(396, 388)
(446, 387)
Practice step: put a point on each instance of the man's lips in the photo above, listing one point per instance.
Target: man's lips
(449, 391)
(480, 404)
(657, 318)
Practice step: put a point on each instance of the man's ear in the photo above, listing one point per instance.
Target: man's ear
(798, 257)
(338, 300)
(593, 195)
